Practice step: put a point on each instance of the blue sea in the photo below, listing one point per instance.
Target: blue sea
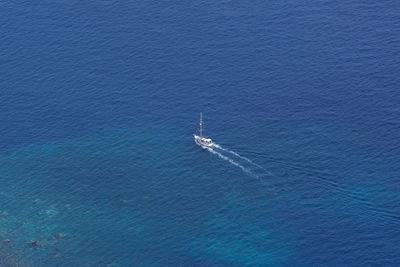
(99, 101)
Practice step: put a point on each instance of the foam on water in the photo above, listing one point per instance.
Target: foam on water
(256, 169)
(237, 155)
(230, 160)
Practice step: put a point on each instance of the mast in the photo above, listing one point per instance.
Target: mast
(201, 124)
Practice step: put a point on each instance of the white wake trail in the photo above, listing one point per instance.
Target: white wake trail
(230, 160)
(237, 155)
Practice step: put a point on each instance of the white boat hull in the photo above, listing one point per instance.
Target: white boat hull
(202, 141)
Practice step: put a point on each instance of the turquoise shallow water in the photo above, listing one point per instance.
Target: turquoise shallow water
(99, 101)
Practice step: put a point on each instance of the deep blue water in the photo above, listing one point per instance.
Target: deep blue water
(99, 101)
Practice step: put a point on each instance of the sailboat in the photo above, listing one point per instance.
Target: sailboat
(200, 139)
